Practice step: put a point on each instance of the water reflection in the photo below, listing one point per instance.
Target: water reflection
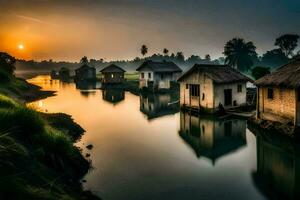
(87, 88)
(158, 105)
(212, 137)
(113, 95)
(278, 168)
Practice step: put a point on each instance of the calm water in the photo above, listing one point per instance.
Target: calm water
(144, 148)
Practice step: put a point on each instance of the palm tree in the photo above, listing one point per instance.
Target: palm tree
(165, 51)
(144, 50)
(239, 54)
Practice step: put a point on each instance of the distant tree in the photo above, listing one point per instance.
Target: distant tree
(258, 72)
(172, 56)
(193, 59)
(179, 57)
(274, 58)
(165, 51)
(239, 54)
(287, 43)
(84, 60)
(207, 58)
(144, 50)
(221, 60)
(7, 63)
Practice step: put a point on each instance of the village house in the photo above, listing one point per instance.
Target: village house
(85, 73)
(209, 87)
(279, 94)
(112, 74)
(158, 75)
(64, 73)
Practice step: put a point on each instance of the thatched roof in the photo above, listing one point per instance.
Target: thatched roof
(112, 68)
(286, 76)
(160, 66)
(85, 67)
(218, 73)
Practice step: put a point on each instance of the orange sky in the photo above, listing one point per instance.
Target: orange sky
(115, 29)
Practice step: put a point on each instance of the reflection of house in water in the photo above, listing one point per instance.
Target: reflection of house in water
(278, 169)
(86, 88)
(211, 137)
(157, 105)
(113, 95)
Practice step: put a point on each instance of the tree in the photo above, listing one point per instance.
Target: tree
(84, 60)
(144, 50)
(165, 51)
(179, 57)
(193, 59)
(258, 72)
(207, 58)
(7, 63)
(274, 58)
(239, 54)
(287, 43)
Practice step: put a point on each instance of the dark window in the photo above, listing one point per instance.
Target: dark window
(239, 88)
(149, 74)
(195, 90)
(270, 93)
(203, 97)
(187, 86)
(143, 75)
(161, 76)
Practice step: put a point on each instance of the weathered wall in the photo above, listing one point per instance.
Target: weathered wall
(282, 107)
(239, 97)
(206, 88)
(114, 77)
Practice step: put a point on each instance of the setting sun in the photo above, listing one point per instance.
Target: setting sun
(20, 46)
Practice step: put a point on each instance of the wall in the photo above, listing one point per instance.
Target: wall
(206, 88)
(281, 108)
(118, 77)
(239, 97)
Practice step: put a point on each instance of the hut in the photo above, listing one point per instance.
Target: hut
(112, 74)
(85, 72)
(279, 94)
(158, 74)
(64, 73)
(210, 87)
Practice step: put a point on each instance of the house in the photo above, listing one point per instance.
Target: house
(112, 74)
(64, 73)
(85, 72)
(158, 75)
(212, 137)
(206, 87)
(279, 94)
(158, 105)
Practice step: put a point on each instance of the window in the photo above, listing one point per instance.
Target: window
(239, 88)
(149, 75)
(195, 90)
(161, 76)
(142, 75)
(112, 76)
(203, 97)
(187, 86)
(270, 93)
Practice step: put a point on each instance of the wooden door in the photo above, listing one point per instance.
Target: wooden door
(228, 97)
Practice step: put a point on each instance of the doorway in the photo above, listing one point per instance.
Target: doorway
(298, 107)
(228, 97)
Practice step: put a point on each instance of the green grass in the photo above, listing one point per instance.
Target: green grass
(132, 76)
(37, 157)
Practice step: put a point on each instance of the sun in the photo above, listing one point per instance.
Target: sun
(20, 46)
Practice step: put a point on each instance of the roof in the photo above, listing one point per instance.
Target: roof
(286, 76)
(112, 68)
(218, 73)
(160, 66)
(84, 67)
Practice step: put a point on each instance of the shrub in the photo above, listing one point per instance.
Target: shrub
(6, 102)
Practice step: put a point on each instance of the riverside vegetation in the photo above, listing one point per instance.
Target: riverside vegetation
(38, 156)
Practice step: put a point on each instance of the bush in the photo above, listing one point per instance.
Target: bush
(258, 72)
(4, 76)
(6, 102)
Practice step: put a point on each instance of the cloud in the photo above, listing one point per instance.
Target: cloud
(36, 20)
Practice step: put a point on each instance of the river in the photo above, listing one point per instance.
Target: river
(145, 148)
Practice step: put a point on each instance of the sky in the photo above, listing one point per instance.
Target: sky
(115, 29)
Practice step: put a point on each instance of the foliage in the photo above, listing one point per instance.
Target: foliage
(258, 72)
(274, 58)
(7, 63)
(287, 43)
(144, 50)
(165, 51)
(179, 57)
(239, 54)
(84, 60)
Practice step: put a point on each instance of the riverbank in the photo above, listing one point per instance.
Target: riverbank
(38, 156)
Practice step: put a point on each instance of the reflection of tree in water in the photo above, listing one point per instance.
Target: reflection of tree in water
(158, 105)
(278, 167)
(113, 95)
(211, 137)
